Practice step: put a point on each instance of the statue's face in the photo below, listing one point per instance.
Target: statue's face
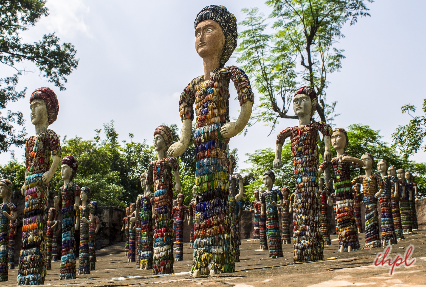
(83, 196)
(38, 112)
(400, 173)
(159, 143)
(127, 210)
(338, 140)
(381, 166)
(267, 180)
(132, 208)
(3, 190)
(408, 176)
(256, 195)
(285, 194)
(357, 187)
(66, 172)
(392, 171)
(368, 162)
(143, 182)
(209, 39)
(180, 200)
(302, 105)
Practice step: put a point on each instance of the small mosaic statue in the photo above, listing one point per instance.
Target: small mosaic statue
(131, 255)
(180, 213)
(85, 209)
(372, 186)
(263, 240)
(255, 208)
(125, 228)
(93, 230)
(8, 212)
(396, 215)
(412, 191)
(307, 239)
(215, 40)
(39, 171)
(285, 216)
(325, 232)
(346, 225)
(67, 202)
(13, 224)
(144, 217)
(160, 180)
(50, 236)
(387, 226)
(357, 206)
(269, 204)
(191, 219)
(404, 202)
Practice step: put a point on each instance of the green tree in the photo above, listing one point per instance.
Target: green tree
(305, 32)
(410, 137)
(261, 161)
(15, 172)
(55, 61)
(111, 170)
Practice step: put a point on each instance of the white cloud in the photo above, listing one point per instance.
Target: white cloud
(66, 18)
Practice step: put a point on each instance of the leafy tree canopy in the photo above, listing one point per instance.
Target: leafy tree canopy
(56, 61)
(410, 137)
(301, 50)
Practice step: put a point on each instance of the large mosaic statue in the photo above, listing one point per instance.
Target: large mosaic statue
(180, 213)
(160, 181)
(8, 213)
(412, 192)
(404, 202)
(215, 41)
(396, 215)
(13, 225)
(255, 208)
(68, 203)
(39, 171)
(386, 219)
(236, 193)
(269, 203)
(93, 230)
(372, 186)
(144, 219)
(307, 237)
(85, 209)
(346, 224)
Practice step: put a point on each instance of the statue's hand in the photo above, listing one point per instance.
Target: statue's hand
(46, 177)
(177, 187)
(56, 200)
(23, 189)
(176, 149)
(327, 156)
(238, 197)
(377, 195)
(278, 163)
(229, 130)
(84, 219)
(274, 203)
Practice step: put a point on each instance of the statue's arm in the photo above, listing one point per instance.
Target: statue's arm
(178, 148)
(231, 129)
(47, 176)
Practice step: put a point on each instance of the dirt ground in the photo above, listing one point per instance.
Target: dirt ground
(257, 269)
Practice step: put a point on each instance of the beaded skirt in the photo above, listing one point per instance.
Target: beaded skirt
(256, 219)
(83, 255)
(396, 216)
(286, 223)
(32, 269)
(372, 239)
(324, 222)
(262, 232)
(12, 235)
(4, 242)
(92, 249)
(131, 255)
(49, 244)
(414, 222)
(357, 211)
(387, 226)
(405, 210)
(272, 223)
(146, 242)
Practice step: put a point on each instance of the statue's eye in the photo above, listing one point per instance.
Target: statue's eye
(209, 30)
(198, 34)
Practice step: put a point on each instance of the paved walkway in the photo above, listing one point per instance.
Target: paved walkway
(257, 269)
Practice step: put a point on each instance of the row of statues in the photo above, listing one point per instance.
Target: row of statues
(214, 212)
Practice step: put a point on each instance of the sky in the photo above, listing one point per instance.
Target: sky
(136, 57)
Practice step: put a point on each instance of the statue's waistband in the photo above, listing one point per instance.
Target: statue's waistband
(33, 180)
